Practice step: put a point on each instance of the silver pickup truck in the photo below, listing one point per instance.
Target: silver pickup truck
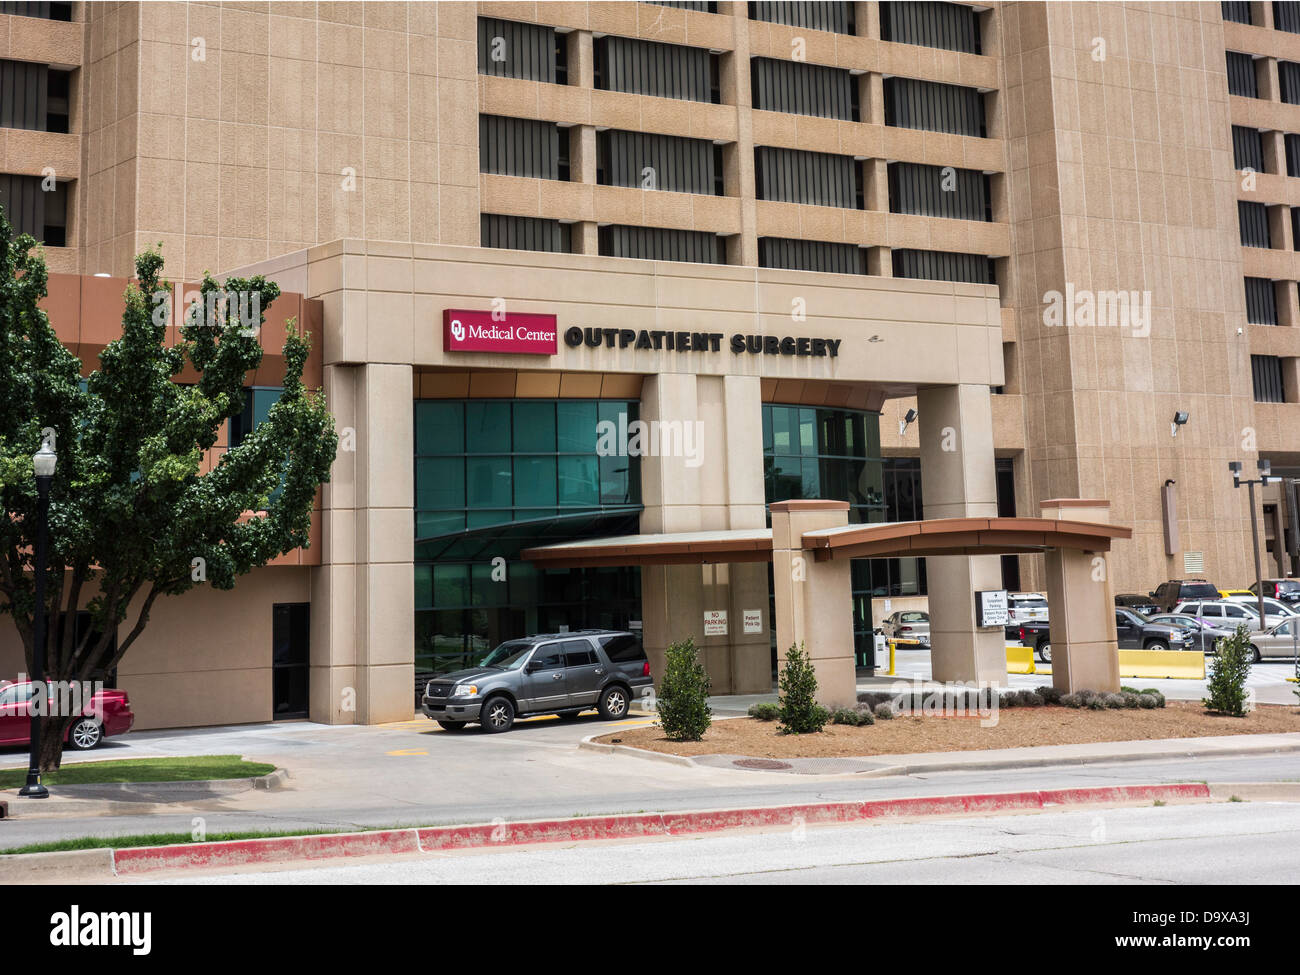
(551, 673)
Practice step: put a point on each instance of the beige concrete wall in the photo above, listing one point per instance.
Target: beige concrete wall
(205, 656)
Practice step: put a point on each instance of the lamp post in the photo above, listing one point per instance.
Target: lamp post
(1264, 479)
(43, 463)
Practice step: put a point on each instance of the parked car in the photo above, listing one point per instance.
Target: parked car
(1026, 606)
(550, 673)
(1227, 613)
(1277, 641)
(1033, 633)
(1139, 604)
(1272, 607)
(1135, 632)
(1287, 590)
(1169, 594)
(907, 624)
(1204, 636)
(107, 713)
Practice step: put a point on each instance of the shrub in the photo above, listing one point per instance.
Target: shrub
(1155, 694)
(1049, 694)
(1028, 699)
(1096, 702)
(683, 708)
(848, 716)
(1114, 700)
(1074, 700)
(764, 711)
(1007, 700)
(800, 712)
(865, 717)
(1130, 699)
(1146, 701)
(1228, 673)
(884, 711)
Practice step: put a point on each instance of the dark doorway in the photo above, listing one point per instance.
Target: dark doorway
(290, 659)
(1006, 483)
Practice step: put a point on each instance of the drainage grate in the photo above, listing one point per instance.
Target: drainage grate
(761, 763)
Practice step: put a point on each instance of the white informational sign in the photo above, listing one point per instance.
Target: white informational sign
(634, 625)
(752, 621)
(889, 605)
(715, 622)
(991, 608)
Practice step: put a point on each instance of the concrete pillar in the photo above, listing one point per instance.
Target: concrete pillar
(1085, 652)
(1266, 79)
(1273, 144)
(362, 625)
(720, 487)
(957, 471)
(738, 159)
(814, 600)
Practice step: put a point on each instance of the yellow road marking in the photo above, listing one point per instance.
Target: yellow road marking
(402, 752)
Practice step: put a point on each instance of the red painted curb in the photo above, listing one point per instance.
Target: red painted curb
(236, 853)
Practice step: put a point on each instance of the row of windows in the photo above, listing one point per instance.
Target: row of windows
(1248, 150)
(34, 96)
(528, 148)
(702, 247)
(1266, 374)
(515, 50)
(31, 209)
(1243, 79)
(1286, 16)
(46, 11)
(1261, 302)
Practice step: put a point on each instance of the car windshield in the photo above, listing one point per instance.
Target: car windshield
(1033, 602)
(1183, 621)
(914, 618)
(1290, 585)
(1138, 616)
(508, 656)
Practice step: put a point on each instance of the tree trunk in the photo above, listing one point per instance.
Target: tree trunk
(51, 754)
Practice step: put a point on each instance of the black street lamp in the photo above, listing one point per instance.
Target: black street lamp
(1265, 477)
(43, 462)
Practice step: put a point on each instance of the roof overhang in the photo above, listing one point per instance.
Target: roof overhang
(675, 548)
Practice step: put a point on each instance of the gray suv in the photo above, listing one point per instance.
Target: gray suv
(552, 673)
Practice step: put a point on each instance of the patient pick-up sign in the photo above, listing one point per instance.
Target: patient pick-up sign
(520, 333)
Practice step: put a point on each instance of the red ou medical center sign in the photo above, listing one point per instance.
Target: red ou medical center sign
(520, 333)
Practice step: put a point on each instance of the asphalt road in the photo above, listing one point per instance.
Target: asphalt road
(1257, 843)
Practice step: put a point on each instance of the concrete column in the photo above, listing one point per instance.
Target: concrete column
(873, 100)
(957, 472)
(875, 175)
(1284, 296)
(1085, 652)
(362, 625)
(739, 162)
(814, 600)
(1266, 78)
(1273, 144)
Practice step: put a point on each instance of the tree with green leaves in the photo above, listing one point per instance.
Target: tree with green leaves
(132, 517)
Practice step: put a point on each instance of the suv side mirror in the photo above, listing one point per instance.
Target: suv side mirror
(532, 667)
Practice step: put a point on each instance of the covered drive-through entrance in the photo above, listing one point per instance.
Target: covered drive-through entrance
(810, 544)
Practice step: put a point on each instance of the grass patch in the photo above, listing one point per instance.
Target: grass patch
(158, 839)
(188, 768)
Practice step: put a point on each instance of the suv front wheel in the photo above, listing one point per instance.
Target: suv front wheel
(498, 715)
(613, 702)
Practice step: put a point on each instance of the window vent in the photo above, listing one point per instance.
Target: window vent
(1193, 563)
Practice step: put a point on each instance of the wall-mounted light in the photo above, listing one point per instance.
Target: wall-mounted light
(908, 418)
(1180, 419)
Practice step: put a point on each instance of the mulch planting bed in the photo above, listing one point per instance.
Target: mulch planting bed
(1015, 728)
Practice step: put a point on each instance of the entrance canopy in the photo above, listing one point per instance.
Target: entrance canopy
(940, 536)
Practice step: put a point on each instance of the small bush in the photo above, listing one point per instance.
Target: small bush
(764, 711)
(684, 712)
(1147, 701)
(847, 716)
(1007, 700)
(1155, 694)
(884, 712)
(1072, 700)
(1095, 703)
(1114, 700)
(1049, 694)
(800, 712)
(1228, 672)
(1130, 699)
(865, 717)
(1028, 699)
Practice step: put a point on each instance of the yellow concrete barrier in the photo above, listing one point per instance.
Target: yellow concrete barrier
(1188, 664)
(1020, 660)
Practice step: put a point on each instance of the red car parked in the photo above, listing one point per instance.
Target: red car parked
(108, 712)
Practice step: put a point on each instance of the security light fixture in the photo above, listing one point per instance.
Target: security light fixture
(1180, 419)
(908, 418)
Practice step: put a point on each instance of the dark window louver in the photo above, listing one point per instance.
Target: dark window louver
(933, 106)
(800, 88)
(659, 244)
(1247, 148)
(939, 191)
(1295, 228)
(1286, 16)
(1236, 11)
(1261, 302)
(943, 25)
(1266, 371)
(811, 255)
(1252, 218)
(45, 11)
(834, 17)
(524, 233)
(23, 95)
(943, 266)
(1241, 75)
(32, 210)
(813, 178)
(658, 162)
(522, 147)
(698, 7)
(660, 70)
(508, 49)
(1292, 142)
(1288, 76)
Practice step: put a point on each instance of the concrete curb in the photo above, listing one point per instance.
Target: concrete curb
(1186, 748)
(102, 864)
(95, 800)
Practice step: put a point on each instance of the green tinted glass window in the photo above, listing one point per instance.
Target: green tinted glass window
(439, 427)
(534, 481)
(534, 426)
(450, 585)
(579, 481)
(488, 482)
(576, 426)
(439, 482)
(487, 427)
(423, 585)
